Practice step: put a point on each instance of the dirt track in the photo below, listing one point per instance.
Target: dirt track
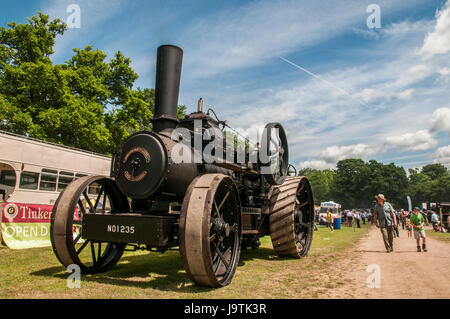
(405, 273)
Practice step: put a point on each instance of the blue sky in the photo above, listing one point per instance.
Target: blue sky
(397, 102)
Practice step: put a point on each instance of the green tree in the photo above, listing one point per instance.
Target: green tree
(321, 181)
(86, 102)
(390, 180)
(28, 82)
(435, 171)
(32, 42)
(348, 183)
(430, 184)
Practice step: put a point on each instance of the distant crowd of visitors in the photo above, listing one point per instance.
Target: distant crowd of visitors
(388, 220)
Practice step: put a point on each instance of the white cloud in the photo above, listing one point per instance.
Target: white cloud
(443, 155)
(413, 74)
(315, 116)
(367, 95)
(444, 75)
(333, 154)
(440, 120)
(393, 80)
(419, 141)
(406, 94)
(438, 41)
(316, 164)
(93, 16)
(444, 71)
(262, 30)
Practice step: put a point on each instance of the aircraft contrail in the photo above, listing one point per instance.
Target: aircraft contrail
(325, 81)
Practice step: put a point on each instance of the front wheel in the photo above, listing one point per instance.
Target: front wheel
(90, 194)
(210, 230)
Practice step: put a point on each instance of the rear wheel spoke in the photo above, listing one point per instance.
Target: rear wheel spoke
(99, 251)
(88, 201)
(82, 247)
(97, 200)
(77, 239)
(94, 260)
(80, 204)
(104, 203)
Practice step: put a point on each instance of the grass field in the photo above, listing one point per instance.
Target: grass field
(36, 273)
(439, 236)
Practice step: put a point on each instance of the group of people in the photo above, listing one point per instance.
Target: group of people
(354, 218)
(351, 218)
(387, 220)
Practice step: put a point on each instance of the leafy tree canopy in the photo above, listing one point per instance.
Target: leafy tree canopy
(88, 102)
(321, 183)
(354, 183)
(430, 184)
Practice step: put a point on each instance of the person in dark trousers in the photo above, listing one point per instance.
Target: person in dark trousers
(350, 218)
(403, 216)
(363, 217)
(396, 232)
(358, 219)
(385, 220)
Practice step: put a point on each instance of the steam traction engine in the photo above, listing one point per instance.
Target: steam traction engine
(226, 204)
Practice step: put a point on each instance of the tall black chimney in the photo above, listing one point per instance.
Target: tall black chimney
(168, 74)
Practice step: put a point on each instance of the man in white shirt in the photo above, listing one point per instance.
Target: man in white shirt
(350, 218)
(434, 219)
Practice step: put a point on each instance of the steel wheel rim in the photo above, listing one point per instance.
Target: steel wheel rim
(303, 218)
(224, 234)
(201, 227)
(101, 253)
(66, 222)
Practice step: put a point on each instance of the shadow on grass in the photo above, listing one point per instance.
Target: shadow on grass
(164, 272)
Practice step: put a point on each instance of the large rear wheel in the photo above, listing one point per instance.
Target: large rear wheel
(91, 194)
(292, 217)
(210, 230)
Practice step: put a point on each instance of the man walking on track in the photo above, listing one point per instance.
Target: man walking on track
(385, 219)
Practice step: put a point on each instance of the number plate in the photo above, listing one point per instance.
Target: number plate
(156, 231)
